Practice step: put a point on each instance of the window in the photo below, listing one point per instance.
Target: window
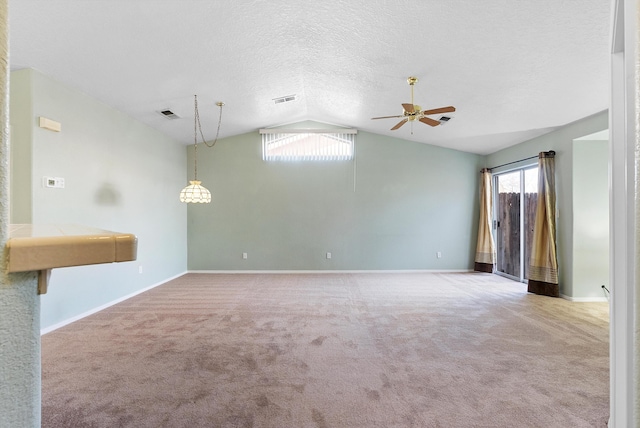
(308, 144)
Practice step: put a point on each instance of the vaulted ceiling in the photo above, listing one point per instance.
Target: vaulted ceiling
(513, 69)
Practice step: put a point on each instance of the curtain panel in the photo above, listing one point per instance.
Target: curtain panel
(543, 267)
(485, 248)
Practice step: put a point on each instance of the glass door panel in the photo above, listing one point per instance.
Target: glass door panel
(515, 200)
(530, 205)
(508, 223)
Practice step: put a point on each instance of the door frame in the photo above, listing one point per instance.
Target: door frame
(623, 357)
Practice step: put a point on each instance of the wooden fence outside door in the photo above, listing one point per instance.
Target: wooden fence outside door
(508, 231)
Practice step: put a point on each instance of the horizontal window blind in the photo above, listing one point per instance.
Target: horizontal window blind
(324, 145)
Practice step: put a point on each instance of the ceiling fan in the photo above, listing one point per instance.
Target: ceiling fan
(413, 112)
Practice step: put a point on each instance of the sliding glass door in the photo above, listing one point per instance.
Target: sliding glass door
(515, 201)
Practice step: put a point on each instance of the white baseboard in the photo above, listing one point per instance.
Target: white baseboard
(332, 271)
(584, 299)
(105, 306)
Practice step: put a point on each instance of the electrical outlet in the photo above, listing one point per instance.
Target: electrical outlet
(439, 255)
(244, 256)
(328, 255)
(139, 269)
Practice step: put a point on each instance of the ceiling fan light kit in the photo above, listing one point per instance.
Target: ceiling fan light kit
(413, 112)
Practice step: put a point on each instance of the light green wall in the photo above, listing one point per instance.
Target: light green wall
(410, 201)
(120, 175)
(22, 121)
(561, 141)
(590, 217)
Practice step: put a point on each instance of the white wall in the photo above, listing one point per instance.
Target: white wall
(120, 175)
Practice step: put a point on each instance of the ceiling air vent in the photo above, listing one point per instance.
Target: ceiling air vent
(285, 99)
(169, 114)
(444, 119)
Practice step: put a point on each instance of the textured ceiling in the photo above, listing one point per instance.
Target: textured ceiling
(513, 69)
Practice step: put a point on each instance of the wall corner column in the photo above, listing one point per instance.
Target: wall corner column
(20, 368)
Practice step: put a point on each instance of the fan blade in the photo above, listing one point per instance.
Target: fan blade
(402, 122)
(449, 109)
(409, 108)
(385, 117)
(429, 121)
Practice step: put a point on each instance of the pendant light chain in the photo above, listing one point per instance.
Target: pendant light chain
(219, 104)
(196, 120)
(198, 127)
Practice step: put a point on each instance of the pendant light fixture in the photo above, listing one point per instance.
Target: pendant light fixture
(194, 192)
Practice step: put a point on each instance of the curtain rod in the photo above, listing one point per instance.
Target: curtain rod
(551, 153)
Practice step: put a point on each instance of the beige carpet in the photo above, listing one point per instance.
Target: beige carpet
(331, 350)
